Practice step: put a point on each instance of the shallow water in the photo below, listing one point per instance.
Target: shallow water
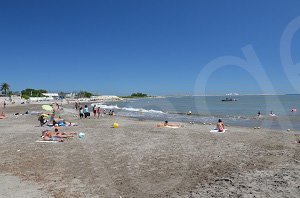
(210, 108)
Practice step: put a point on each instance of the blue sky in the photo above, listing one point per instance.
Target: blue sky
(158, 47)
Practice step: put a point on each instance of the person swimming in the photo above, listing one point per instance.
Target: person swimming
(258, 114)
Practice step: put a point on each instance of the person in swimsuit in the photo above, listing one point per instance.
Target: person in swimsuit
(166, 124)
(94, 111)
(220, 126)
(2, 115)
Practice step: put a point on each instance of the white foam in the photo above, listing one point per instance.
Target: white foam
(103, 106)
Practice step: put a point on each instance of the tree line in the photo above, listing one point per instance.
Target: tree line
(29, 92)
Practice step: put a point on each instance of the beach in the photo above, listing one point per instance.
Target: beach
(139, 159)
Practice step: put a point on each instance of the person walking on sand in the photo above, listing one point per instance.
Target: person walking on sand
(4, 104)
(94, 111)
(81, 112)
(86, 111)
(98, 111)
(220, 126)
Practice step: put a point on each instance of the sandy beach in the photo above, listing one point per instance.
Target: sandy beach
(140, 160)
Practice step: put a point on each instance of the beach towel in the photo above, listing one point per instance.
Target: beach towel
(217, 131)
(46, 141)
(62, 125)
(172, 127)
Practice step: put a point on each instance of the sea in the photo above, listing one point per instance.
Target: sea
(208, 109)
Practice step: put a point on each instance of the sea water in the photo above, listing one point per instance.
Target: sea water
(208, 109)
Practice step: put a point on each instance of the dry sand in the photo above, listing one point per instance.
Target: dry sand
(140, 160)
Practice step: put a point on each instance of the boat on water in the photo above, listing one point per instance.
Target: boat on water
(229, 100)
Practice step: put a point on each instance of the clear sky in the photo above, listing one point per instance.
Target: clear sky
(154, 46)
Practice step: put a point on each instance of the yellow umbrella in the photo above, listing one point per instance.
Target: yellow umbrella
(45, 115)
(47, 108)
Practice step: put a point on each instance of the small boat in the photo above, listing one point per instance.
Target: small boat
(229, 99)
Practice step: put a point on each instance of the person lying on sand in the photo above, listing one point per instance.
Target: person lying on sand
(56, 135)
(2, 115)
(166, 124)
(62, 122)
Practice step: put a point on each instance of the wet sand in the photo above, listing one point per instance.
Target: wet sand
(140, 160)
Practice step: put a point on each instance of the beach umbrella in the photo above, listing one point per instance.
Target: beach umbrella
(47, 108)
(45, 115)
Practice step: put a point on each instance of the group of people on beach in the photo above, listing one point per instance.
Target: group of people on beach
(97, 111)
(56, 135)
(293, 110)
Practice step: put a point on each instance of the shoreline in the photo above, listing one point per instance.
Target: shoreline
(70, 107)
(140, 160)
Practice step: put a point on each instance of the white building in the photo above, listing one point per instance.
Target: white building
(105, 98)
(54, 95)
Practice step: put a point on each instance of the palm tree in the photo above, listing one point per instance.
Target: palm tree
(5, 88)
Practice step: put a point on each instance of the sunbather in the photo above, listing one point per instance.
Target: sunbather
(220, 126)
(56, 135)
(2, 115)
(166, 123)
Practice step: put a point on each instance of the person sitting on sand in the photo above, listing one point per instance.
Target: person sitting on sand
(42, 120)
(220, 126)
(166, 123)
(112, 113)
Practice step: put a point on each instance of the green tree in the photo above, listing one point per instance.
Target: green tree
(139, 95)
(5, 88)
(33, 92)
(83, 94)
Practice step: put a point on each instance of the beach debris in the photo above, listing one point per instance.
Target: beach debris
(288, 130)
(204, 123)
